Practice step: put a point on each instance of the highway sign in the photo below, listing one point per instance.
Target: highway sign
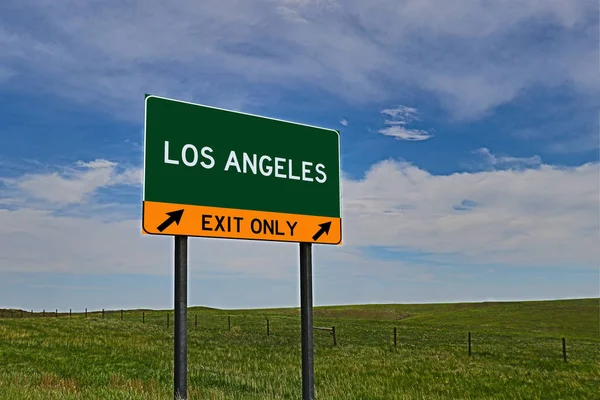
(211, 172)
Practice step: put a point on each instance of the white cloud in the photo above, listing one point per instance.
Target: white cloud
(344, 122)
(129, 176)
(399, 132)
(96, 164)
(474, 54)
(507, 161)
(74, 185)
(400, 117)
(546, 217)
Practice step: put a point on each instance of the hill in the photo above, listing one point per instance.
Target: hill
(516, 353)
(573, 317)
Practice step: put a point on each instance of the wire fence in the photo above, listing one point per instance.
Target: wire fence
(388, 335)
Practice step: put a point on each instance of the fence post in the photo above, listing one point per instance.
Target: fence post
(395, 338)
(21, 313)
(103, 313)
(469, 344)
(70, 312)
(56, 313)
(167, 320)
(228, 322)
(86, 312)
(333, 334)
(143, 317)
(268, 328)
(121, 314)
(43, 312)
(195, 321)
(564, 346)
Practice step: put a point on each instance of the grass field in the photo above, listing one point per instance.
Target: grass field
(516, 353)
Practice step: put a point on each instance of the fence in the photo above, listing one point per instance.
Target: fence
(377, 331)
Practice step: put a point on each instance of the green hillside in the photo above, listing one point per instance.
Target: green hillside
(516, 353)
(575, 318)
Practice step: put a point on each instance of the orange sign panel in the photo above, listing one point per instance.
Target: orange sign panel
(188, 220)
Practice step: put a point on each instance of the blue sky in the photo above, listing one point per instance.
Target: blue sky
(469, 134)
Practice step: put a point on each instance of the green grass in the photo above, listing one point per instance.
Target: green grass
(516, 353)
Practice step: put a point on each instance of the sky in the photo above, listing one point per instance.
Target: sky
(470, 147)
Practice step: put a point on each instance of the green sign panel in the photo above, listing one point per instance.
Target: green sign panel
(229, 164)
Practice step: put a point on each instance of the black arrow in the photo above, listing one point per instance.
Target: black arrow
(324, 229)
(174, 216)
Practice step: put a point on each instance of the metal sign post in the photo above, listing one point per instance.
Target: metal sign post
(181, 261)
(306, 322)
